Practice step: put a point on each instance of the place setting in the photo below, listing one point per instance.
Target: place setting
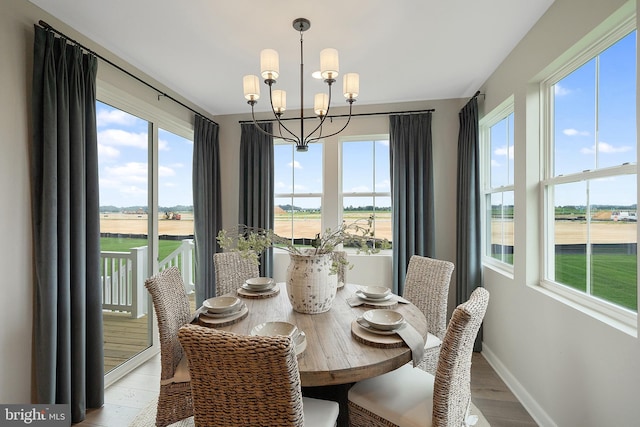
(222, 311)
(259, 287)
(385, 328)
(375, 297)
(282, 328)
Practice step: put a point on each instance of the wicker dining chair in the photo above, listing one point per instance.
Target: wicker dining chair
(409, 397)
(232, 269)
(427, 287)
(240, 380)
(171, 305)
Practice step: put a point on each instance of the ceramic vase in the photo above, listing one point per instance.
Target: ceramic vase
(310, 284)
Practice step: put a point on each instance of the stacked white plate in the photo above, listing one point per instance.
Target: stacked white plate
(223, 306)
(259, 284)
(381, 321)
(282, 328)
(374, 293)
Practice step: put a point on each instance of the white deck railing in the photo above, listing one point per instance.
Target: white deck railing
(124, 273)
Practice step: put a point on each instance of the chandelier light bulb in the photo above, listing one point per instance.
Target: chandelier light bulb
(351, 85)
(329, 63)
(269, 64)
(251, 86)
(279, 101)
(321, 104)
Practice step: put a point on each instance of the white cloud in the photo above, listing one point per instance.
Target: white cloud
(606, 148)
(295, 164)
(299, 187)
(118, 117)
(117, 137)
(361, 189)
(560, 91)
(502, 151)
(575, 132)
(130, 172)
(163, 145)
(164, 171)
(495, 163)
(385, 143)
(280, 184)
(106, 152)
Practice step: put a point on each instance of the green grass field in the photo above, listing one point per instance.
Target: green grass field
(165, 247)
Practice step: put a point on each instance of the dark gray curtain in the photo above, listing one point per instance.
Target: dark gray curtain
(256, 184)
(67, 312)
(468, 246)
(207, 206)
(410, 149)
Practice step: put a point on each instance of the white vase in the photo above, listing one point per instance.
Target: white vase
(310, 284)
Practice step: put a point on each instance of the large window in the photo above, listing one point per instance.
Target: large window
(336, 180)
(298, 182)
(366, 185)
(590, 176)
(497, 142)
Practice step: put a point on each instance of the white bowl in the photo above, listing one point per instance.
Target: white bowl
(275, 328)
(259, 282)
(221, 304)
(386, 320)
(375, 292)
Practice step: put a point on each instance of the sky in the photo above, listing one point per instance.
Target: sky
(123, 160)
(582, 142)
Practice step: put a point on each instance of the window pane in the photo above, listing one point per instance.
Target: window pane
(383, 226)
(574, 120)
(308, 170)
(283, 217)
(122, 169)
(283, 168)
(382, 168)
(613, 240)
(307, 219)
(617, 104)
(358, 167)
(502, 152)
(501, 226)
(596, 250)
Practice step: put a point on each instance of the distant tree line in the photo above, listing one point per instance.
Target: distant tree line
(116, 209)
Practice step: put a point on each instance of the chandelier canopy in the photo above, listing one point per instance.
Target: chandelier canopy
(270, 71)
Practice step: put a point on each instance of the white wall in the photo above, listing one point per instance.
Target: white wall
(567, 367)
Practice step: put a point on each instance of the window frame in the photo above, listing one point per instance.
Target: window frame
(498, 114)
(612, 313)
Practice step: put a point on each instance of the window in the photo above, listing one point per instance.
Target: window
(298, 191)
(497, 142)
(366, 184)
(590, 177)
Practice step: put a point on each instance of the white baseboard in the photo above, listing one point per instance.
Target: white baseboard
(529, 403)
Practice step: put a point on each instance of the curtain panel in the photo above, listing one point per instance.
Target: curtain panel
(468, 247)
(67, 312)
(207, 205)
(410, 150)
(256, 184)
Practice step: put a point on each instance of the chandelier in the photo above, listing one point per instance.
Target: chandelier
(270, 70)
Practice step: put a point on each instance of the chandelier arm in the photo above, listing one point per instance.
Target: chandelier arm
(335, 133)
(280, 124)
(272, 135)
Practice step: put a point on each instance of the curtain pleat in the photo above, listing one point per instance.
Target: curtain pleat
(256, 184)
(410, 151)
(68, 338)
(207, 204)
(468, 247)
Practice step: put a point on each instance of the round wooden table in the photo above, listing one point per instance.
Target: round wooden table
(333, 356)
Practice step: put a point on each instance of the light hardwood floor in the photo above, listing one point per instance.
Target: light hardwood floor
(125, 398)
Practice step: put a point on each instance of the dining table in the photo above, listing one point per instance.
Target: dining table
(333, 353)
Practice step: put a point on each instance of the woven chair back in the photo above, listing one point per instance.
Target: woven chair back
(232, 269)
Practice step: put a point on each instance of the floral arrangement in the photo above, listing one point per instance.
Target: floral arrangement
(252, 241)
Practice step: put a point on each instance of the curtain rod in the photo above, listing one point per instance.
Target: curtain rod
(431, 110)
(161, 93)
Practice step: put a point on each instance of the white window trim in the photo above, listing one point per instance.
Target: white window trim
(498, 114)
(599, 40)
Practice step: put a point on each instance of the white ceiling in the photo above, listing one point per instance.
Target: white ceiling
(405, 50)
